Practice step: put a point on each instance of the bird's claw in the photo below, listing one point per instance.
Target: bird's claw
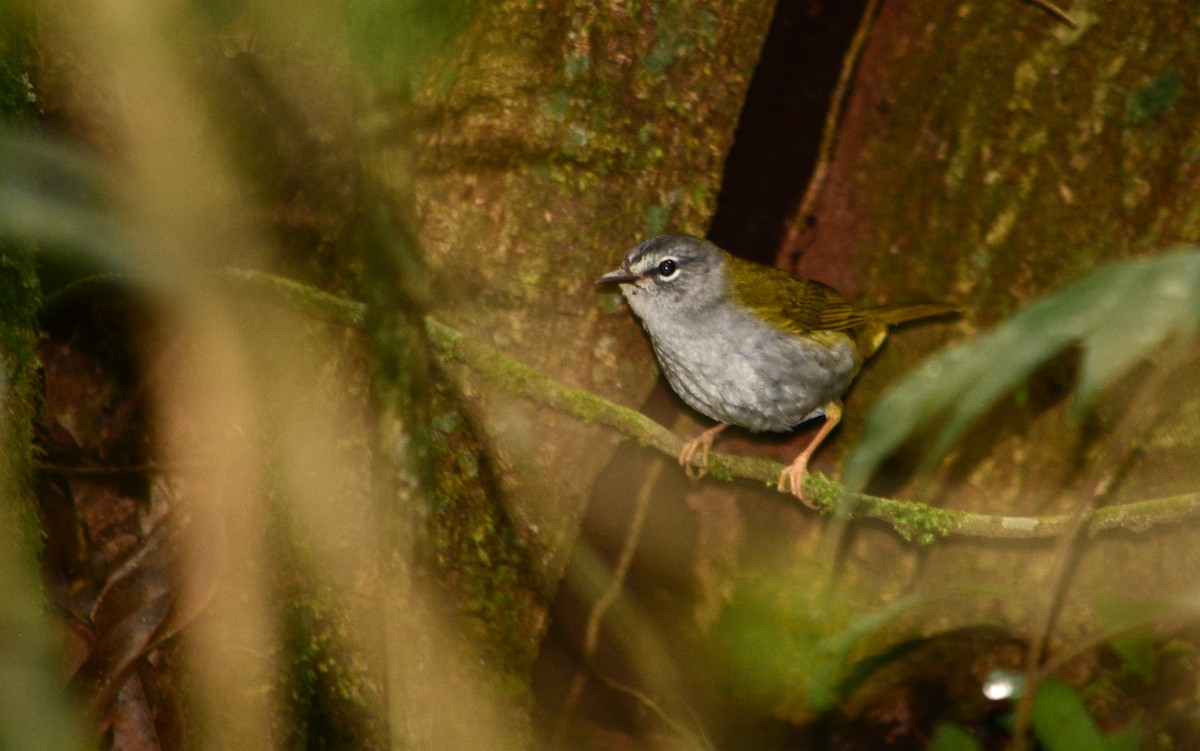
(791, 480)
(695, 470)
(703, 442)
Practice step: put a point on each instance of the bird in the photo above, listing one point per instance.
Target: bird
(750, 345)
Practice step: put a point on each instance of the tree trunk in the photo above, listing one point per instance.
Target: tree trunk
(567, 132)
(518, 169)
(990, 153)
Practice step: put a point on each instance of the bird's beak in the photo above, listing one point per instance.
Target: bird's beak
(620, 276)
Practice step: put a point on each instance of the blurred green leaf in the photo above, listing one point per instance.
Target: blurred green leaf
(1119, 316)
(1137, 652)
(949, 737)
(399, 38)
(793, 653)
(1061, 721)
(832, 664)
(1132, 618)
(55, 197)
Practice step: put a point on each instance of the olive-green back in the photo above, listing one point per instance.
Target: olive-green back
(803, 306)
(798, 305)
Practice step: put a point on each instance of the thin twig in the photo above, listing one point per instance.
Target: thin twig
(1092, 486)
(1065, 555)
(1055, 11)
(591, 640)
(681, 730)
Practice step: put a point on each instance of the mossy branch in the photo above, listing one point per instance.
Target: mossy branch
(912, 520)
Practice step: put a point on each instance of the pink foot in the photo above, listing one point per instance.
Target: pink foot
(704, 442)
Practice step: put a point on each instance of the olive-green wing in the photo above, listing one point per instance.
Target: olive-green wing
(798, 305)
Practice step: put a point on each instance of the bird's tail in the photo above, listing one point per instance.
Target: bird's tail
(901, 312)
(871, 336)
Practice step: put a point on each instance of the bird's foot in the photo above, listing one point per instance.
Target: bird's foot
(703, 442)
(791, 480)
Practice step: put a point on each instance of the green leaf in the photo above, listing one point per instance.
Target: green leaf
(1061, 721)
(788, 651)
(1137, 653)
(1148, 303)
(1119, 316)
(950, 737)
(828, 672)
(1133, 618)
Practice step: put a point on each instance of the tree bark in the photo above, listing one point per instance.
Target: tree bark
(990, 153)
(568, 132)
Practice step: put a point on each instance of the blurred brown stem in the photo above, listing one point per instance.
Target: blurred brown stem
(1090, 488)
(596, 616)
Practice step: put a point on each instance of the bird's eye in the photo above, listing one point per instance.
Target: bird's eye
(667, 268)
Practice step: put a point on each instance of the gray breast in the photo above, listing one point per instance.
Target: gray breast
(737, 369)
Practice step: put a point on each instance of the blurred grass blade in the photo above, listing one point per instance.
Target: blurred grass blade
(1119, 316)
(1152, 303)
(56, 197)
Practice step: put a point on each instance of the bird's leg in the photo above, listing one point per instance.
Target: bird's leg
(792, 478)
(704, 441)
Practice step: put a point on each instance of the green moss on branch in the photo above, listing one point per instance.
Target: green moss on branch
(914, 521)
